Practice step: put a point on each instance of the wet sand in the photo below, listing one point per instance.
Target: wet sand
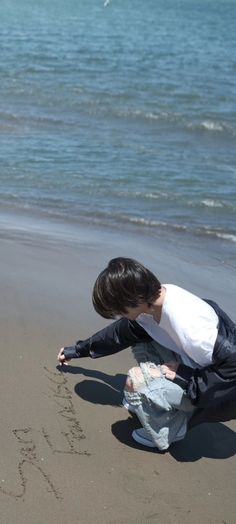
(66, 450)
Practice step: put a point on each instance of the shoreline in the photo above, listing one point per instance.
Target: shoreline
(204, 249)
(172, 261)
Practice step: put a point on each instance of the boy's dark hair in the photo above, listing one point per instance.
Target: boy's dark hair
(124, 283)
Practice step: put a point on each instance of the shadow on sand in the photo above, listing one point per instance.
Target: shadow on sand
(213, 440)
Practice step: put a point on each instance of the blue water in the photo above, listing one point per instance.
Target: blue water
(122, 115)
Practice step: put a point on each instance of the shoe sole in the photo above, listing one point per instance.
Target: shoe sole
(148, 443)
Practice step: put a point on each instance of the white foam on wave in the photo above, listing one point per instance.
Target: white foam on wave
(226, 236)
(154, 223)
(211, 203)
(152, 195)
(156, 195)
(141, 114)
(219, 234)
(212, 126)
(150, 115)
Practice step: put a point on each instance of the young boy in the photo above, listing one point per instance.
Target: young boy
(185, 347)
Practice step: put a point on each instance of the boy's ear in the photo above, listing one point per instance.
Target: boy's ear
(150, 307)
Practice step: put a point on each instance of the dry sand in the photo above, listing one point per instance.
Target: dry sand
(66, 451)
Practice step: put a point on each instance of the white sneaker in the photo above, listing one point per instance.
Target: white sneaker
(141, 436)
(128, 406)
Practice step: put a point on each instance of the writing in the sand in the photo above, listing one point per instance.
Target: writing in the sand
(29, 456)
(62, 397)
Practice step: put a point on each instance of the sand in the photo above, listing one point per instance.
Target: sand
(66, 450)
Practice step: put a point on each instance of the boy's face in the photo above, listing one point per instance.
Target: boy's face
(133, 312)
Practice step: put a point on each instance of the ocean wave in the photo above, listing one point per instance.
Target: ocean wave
(189, 122)
(213, 126)
(97, 109)
(170, 197)
(149, 195)
(212, 203)
(178, 119)
(8, 116)
(223, 236)
(142, 223)
(153, 223)
(174, 227)
(139, 114)
(17, 119)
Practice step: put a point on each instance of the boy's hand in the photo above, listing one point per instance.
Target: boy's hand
(61, 358)
(169, 369)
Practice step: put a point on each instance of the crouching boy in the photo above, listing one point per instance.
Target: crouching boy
(185, 349)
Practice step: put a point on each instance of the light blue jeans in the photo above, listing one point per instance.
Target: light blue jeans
(162, 406)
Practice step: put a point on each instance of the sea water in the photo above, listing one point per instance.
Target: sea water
(122, 114)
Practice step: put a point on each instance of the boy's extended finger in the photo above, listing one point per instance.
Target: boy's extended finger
(60, 354)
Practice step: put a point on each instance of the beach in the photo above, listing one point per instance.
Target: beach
(66, 449)
(118, 132)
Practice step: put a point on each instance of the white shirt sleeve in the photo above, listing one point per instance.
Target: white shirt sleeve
(191, 323)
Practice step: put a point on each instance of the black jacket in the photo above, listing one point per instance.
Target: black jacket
(212, 389)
